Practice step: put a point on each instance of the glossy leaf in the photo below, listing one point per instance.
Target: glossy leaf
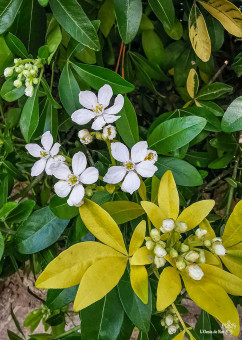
(155, 214)
(233, 229)
(164, 10)
(123, 211)
(137, 238)
(61, 209)
(1, 245)
(58, 298)
(9, 92)
(106, 15)
(30, 116)
(192, 83)
(213, 91)
(21, 212)
(8, 12)
(142, 256)
(153, 46)
(16, 46)
(139, 282)
(232, 119)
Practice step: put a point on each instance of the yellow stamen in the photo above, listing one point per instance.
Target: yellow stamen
(98, 108)
(72, 179)
(149, 157)
(129, 166)
(43, 154)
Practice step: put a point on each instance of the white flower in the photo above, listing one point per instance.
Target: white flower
(169, 320)
(155, 235)
(150, 245)
(85, 136)
(192, 256)
(200, 233)
(109, 132)
(29, 91)
(194, 271)
(8, 72)
(167, 225)
(172, 329)
(151, 156)
(72, 182)
(216, 239)
(131, 166)
(17, 83)
(181, 227)
(45, 153)
(95, 107)
(219, 249)
(159, 251)
(159, 262)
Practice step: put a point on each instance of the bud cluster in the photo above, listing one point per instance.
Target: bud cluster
(170, 321)
(169, 224)
(28, 72)
(158, 247)
(86, 137)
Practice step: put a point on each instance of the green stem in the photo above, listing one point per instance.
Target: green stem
(231, 189)
(63, 335)
(181, 321)
(109, 150)
(7, 230)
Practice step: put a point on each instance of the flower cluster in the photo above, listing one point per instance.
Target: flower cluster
(170, 321)
(27, 71)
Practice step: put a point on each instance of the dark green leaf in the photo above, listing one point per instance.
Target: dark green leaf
(11, 170)
(8, 11)
(213, 91)
(164, 10)
(237, 64)
(49, 94)
(232, 119)
(43, 52)
(216, 33)
(16, 46)
(9, 92)
(6, 209)
(61, 209)
(21, 212)
(12, 118)
(1, 245)
(30, 116)
(58, 298)
(53, 37)
(13, 336)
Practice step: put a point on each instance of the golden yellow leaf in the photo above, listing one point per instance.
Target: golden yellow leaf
(67, 269)
(229, 282)
(214, 300)
(154, 213)
(169, 286)
(154, 189)
(168, 198)
(206, 226)
(142, 190)
(199, 37)
(233, 264)
(212, 259)
(99, 280)
(139, 282)
(137, 238)
(195, 213)
(192, 83)
(233, 229)
(227, 13)
(102, 226)
(142, 256)
(179, 336)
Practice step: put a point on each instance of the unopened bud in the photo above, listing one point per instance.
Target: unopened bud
(219, 249)
(32, 72)
(17, 83)
(216, 239)
(150, 245)
(109, 132)
(200, 233)
(159, 251)
(192, 256)
(26, 73)
(169, 320)
(85, 136)
(159, 262)
(184, 248)
(172, 329)
(8, 72)
(89, 192)
(167, 225)
(181, 227)
(162, 243)
(163, 323)
(155, 235)
(194, 271)
(35, 81)
(17, 61)
(180, 265)
(173, 253)
(207, 243)
(202, 257)
(29, 91)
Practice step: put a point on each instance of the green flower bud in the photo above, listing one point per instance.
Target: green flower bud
(207, 243)
(26, 73)
(184, 248)
(17, 83)
(180, 265)
(89, 192)
(155, 235)
(8, 72)
(150, 245)
(192, 256)
(173, 253)
(35, 81)
(162, 323)
(181, 227)
(202, 258)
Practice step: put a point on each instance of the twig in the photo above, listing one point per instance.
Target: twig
(219, 71)
(231, 189)
(123, 54)
(216, 179)
(119, 57)
(34, 295)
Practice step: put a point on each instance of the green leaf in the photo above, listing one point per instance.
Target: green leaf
(73, 19)
(9, 92)
(6, 57)
(175, 133)
(96, 77)
(107, 16)
(137, 311)
(208, 323)
(232, 119)
(164, 10)
(39, 231)
(1, 245)
(49, 94)
(103, 319)
(61, 209)
(222, 162)
(43, 52)
(126, 329)
(16, 46)
(13, 171)
(48, 120)
(123, 211)
(184, 173)
(30, 116)
(53, 37)
(127, 124)
(12, 118)
(8, 11)
(213, 91)
(237, 64)
(6, 209)
(153, 46)
(199, 159)
(13, 336)
(58, 298)
(21, 212)
(128, 15)
(216, 33)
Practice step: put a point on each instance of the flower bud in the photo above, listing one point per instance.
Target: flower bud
(17, 83)
(163, 323)
(181, 227)
(89, 192)
(192, 256)
(85, 136)
(184, 248)
(219, 249)
(35, 81)
(99, 135)
(159, 262)
(207, 243)
(200, 233)
(150, 245)
(167, 225)
(159, 251)
(172, 329)
(155, 235)
(32, 72)
(26, 73)
(162, 243)
(202, 257)
(17, 61)
(180, 265)
(194, 271)
(8, 72)
(216, 239)
(79, 204)
(169, 320)
(29, 91)
(173, 253)
(151, 156)
(109, 132)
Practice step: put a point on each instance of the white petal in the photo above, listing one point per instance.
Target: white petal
(117, 106)
(114, 175)
(98, 123)
(89, 176)
(62, 188)
(82, 116)
(146, 169)
(131, 182)
(110, 118)
(87, 99)
(38, 167)
(139, 152)
(79, 163)
(48, 168)
(105, 94)
(76, 195)
(120, 152)
(47, 140)
(34, 149)
(60, 171)
(55, 149)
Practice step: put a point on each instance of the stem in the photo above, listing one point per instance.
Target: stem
(123, 54)
(109, 150)
(231, 189)
(219, 71)
(52, 75)
(216, 179)
(63, 335)
(181, 321)
(7, 230)
(119, 57)
(89, 156)
(28, 188)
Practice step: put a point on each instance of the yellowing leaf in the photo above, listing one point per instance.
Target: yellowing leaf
(227, 13)
(214, 300)
(99, 280)
(137, 238)
(142, 256)
(179, 336)
(229, 282)
(206, 226)
(199, 36)
(168, 198)
(195, 213)
(169, 286)
(154, 213)
(139, 282)
(233, 264)
(142, 190)
(192, 83)
(123, 211)
(212, 259)
(154, 189)
(102, 226)
(67, 269)
(233, 229)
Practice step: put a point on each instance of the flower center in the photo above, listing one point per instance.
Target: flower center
(72, 179)
(98, 108)
(149, 157)
(43, 154)
(129, 166)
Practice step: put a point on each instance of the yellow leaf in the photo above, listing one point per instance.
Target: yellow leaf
(199, 37)
(154, 189)
(212, 259)
(229, 282)
(102, 226)
(139, 282)
(195, 213)
(179, 336)
(227, 13)
(67, 269)
(137, 238)
(233, 264)
(142, 256)
(214, 300)
(233, 229)
(192, 83)
(142, 190)
(99, 280)
(169, 286)
(168, 198)
(206, 226)
(154, 213)
(123, 211)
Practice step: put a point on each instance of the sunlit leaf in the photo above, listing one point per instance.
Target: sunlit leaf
(137, 238)
(139, 282)
(233, 229)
